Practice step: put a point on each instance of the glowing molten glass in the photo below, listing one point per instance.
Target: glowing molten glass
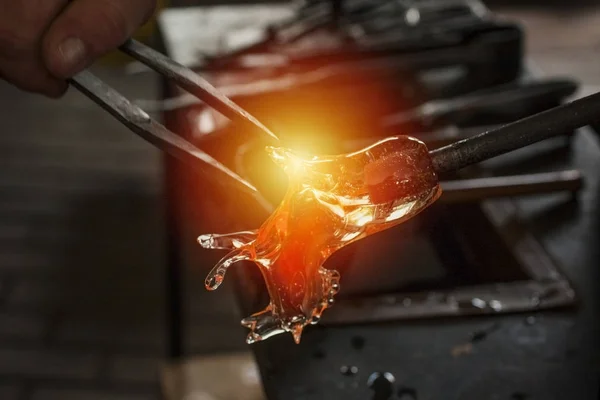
(331, 202)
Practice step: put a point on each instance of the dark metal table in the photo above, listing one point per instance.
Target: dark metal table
(551, 355)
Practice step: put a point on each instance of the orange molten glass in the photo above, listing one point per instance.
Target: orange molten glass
(331, 202)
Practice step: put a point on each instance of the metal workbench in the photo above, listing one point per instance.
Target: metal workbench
(550, 355)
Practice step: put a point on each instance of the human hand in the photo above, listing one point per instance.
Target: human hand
(45, 42)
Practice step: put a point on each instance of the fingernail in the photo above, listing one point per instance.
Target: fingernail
(72, 53)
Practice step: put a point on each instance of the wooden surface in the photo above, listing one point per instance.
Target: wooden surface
(82, 254)
(221, 377)
(80, 250)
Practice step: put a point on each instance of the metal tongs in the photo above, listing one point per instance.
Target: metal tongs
(538, 127)
(142, 124)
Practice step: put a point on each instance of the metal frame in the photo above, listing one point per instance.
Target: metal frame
(546, 288)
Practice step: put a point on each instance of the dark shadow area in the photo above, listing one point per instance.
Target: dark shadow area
(111, 277)
(552, 5)
(82, 254)
(564, 211)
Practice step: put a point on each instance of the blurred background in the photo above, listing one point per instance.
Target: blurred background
(85, 311)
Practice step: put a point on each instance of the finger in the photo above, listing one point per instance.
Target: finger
(25, 70)
(22, 27)
(88, 29)
(29, 78)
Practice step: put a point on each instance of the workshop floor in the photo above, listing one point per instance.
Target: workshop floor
(81, 253)
(81, 238)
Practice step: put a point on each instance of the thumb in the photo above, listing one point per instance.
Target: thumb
(88, 29)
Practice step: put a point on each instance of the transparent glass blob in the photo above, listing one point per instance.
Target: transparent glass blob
(331, 201)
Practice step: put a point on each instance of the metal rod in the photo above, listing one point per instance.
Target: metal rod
(140, 123)
(473, 190)
(433, 140)
(524, 132)
(499, 98)
(194, 84)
